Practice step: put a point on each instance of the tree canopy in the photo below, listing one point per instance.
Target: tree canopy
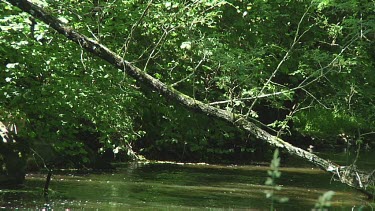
(290, 67)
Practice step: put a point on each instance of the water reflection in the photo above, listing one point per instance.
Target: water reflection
(182, 187)
(366, 159)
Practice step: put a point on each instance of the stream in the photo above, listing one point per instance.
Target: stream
(177, 186)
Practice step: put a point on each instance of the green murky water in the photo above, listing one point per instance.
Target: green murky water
(181, 187)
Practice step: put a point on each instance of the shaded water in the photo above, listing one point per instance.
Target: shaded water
(185, 187)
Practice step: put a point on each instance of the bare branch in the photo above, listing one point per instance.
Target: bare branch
(302, 85)
(305, 82)
(255, 97)
(153, 54)
(130, 35)
(191, 74)
(296, 39)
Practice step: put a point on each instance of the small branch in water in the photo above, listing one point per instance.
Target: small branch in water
(46, 185)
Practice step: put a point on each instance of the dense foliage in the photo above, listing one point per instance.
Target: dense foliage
(294, 67)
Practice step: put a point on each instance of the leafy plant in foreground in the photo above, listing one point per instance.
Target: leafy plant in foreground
(324, 201)
(274, 174)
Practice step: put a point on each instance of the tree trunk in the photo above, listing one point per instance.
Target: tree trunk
(238, 120)
(12, 165)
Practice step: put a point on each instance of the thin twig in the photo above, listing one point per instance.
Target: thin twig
(153, 54)
(303, 84)
(82, 60)
(130, 35)
(41, 158)
(297, 37)
(188, 76)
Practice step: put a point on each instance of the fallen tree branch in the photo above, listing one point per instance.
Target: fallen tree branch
(168, 91)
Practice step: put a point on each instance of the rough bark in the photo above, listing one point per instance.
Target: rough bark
(169, 92)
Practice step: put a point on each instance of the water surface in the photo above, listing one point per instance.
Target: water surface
(164, 186)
